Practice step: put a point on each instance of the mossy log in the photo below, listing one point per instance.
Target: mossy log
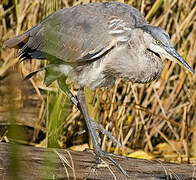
(28, 162)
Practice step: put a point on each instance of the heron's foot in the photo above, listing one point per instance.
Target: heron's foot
(104, 131)
(100, 155)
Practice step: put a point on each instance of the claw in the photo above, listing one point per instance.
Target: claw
(102, 154)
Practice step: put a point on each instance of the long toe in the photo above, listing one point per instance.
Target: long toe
(100, 155)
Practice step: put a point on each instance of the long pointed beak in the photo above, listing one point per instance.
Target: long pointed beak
(172, 52)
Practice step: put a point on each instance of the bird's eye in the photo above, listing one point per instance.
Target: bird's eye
(158, 42)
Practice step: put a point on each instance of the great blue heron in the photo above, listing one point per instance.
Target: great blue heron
(94, 44)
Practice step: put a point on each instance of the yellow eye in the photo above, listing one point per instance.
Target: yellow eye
(158, 42)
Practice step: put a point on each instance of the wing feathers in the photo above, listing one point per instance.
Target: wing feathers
(16, 42)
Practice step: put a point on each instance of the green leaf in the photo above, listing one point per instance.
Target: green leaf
(52, 74)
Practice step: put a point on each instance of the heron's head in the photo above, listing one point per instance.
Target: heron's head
(159, 42)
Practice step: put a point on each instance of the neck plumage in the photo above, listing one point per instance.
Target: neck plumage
(133, 61)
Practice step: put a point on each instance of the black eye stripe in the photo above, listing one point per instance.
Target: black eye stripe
(166, 34)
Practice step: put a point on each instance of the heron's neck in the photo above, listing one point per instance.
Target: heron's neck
(140, 38)
(133, 61)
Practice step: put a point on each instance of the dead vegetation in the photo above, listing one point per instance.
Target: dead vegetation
(158, 117)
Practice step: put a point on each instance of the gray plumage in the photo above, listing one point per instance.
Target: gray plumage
(94, 44)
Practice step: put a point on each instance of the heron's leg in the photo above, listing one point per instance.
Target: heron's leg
(89, 123)
(65, 89)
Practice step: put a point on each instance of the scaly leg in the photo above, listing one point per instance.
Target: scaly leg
(65, 89)
(92, 126)
(96, 143)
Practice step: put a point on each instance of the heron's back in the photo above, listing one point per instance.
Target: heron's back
(72, 33)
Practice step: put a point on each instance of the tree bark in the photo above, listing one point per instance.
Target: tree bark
(29, 163)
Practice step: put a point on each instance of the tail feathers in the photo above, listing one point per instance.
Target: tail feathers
(17, 42)
(27, 53)
(29, 44)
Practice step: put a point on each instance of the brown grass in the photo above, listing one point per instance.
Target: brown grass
(140, 116)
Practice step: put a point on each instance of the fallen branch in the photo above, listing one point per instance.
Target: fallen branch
(27, 162)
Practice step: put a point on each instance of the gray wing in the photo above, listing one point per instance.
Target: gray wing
(80, 33)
